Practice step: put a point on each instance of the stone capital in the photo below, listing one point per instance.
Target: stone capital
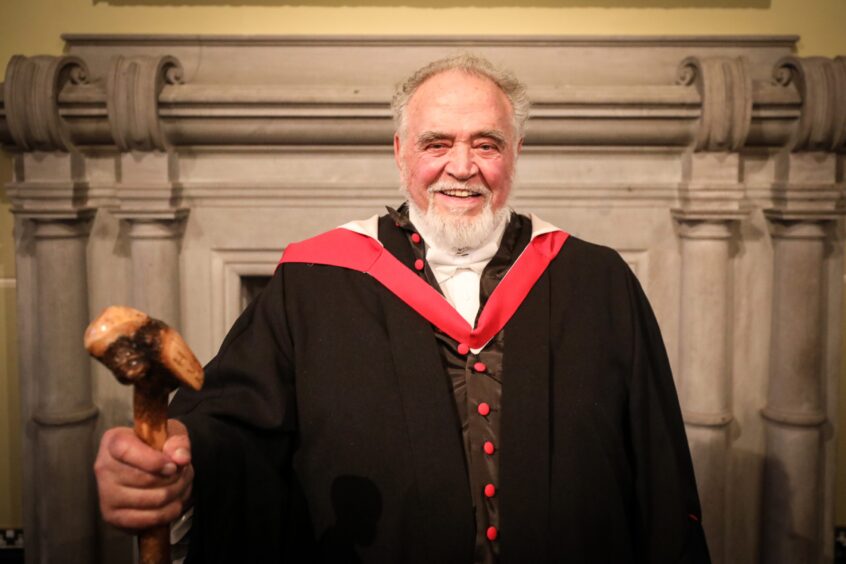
(153, 223)
(59, 223)
(799, 225)
(707, 223)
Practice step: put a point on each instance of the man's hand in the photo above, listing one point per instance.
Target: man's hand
(140, 487)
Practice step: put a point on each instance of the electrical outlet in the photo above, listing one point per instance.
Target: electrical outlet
(839, 545)
(11, 546)
(14, 538)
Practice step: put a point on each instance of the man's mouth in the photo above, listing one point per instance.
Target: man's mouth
(460, 193)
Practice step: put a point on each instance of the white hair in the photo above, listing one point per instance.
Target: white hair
(513, 89)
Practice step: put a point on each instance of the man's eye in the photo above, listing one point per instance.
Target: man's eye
(488, 147)
(436, 146)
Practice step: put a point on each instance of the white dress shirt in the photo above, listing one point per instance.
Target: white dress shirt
(459, 275)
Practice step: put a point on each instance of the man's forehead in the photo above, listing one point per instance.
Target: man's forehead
(456, 98)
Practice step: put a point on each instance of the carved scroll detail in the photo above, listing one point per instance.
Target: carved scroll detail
(821, 83)
(133, 86)
(725, 86)
(31, 91)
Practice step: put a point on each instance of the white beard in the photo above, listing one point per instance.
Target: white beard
(453, 230)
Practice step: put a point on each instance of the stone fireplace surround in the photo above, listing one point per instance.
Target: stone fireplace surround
(168, 173)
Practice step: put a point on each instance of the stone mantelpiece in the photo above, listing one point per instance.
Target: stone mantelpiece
(169, 172)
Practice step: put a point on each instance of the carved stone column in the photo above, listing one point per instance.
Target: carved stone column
(795, 409)
(806, 200)
(64, 412)
(47, 195)
(711, 205)
(704, 359)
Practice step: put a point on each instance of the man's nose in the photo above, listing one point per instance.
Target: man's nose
(461, 165)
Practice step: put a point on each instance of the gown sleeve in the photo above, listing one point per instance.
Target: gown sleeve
(241, 426)
(669, 524)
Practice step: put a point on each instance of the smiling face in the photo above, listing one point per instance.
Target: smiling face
(458, 147)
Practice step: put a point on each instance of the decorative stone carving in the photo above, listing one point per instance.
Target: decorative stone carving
(821, 83)
(133, 86)
(725, 87)
(807, 198)
(31, 91)
(259, 93)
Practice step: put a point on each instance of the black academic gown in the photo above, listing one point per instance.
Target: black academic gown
(327, 430)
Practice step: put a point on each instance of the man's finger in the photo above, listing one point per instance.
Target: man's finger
(178, 449)
(135, 519)
(149, 498)
(122, 474)
(129, 449)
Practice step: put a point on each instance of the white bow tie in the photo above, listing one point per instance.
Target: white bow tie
(445, 264)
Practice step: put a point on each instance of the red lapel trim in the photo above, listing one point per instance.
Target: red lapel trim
(348, 249)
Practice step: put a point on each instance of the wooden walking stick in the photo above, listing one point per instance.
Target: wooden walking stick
(154, 359)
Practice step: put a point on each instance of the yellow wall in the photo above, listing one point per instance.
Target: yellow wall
(31, 27)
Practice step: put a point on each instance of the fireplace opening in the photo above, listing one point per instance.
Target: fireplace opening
(251, 286)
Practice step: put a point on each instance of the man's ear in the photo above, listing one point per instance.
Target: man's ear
(397, 150)
(520, 146)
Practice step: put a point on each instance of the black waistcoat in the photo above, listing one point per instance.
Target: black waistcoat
(475, 378)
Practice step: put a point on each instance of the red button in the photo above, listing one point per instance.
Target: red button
(418, 264)
(415, 237)
(463, 348)
(491, 533)
(490, 490)
(488, 447)
(484, 409)
(480, 367)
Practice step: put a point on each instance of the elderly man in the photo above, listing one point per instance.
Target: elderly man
(450, 382)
